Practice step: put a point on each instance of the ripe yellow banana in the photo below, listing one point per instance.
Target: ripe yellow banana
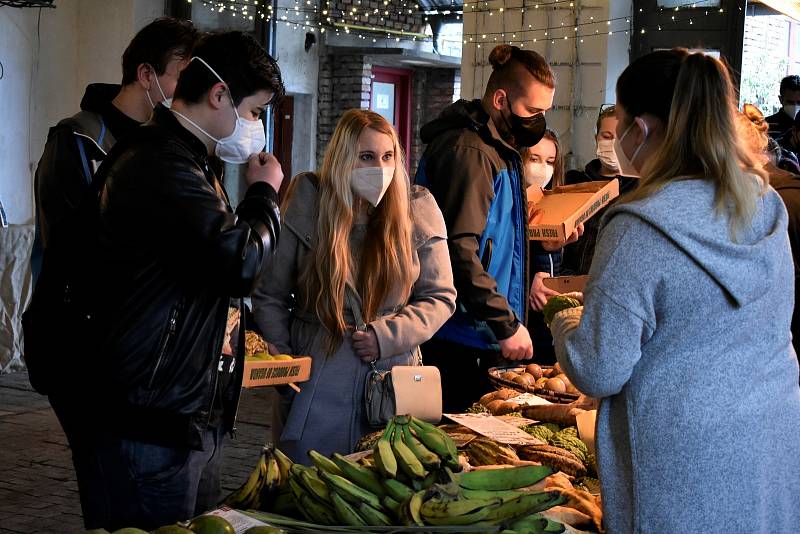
(239, 497)
(284, 462)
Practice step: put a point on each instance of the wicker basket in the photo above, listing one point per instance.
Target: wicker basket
(547, 394)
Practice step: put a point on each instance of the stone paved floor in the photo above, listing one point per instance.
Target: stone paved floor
(38, 493)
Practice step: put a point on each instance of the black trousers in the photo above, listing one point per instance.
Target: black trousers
(126, 483)
(464, 372)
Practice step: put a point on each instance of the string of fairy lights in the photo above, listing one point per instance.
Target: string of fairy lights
(361, 21)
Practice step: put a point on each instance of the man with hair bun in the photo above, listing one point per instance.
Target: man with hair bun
(473, 167)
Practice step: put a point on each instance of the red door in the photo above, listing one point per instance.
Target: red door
(391, 97)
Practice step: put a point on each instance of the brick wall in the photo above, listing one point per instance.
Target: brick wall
(390, 16)
(432, 91)
(344, 83)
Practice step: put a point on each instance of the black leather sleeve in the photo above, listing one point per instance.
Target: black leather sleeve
(259, 209)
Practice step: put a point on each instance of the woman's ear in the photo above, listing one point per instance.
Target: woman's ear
(645, 127)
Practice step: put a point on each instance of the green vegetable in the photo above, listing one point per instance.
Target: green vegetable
(557, 304)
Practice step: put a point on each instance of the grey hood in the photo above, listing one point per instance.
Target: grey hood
(684, 212)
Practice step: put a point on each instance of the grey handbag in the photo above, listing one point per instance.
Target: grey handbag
(406, 389)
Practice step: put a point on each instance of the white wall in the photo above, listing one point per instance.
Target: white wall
(80, 41)
(586, 72)
(300, 71)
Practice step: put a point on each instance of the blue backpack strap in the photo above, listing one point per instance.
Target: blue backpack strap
(84, 161)
(102, 132)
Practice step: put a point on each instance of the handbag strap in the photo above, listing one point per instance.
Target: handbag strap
(360, 325)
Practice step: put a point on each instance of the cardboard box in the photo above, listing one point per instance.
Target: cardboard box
(258, 373)
(566, 284)
(553, 215)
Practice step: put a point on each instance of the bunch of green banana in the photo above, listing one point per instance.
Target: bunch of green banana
(338, 491)
(415, 449)
(488, 497)
(263, 484)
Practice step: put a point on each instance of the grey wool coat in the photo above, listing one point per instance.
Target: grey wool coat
(684, 335)
(328, 415)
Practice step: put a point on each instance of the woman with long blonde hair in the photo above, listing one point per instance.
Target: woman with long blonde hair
(684, 332)
(361, 247)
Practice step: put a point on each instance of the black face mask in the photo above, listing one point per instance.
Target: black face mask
(526, 131)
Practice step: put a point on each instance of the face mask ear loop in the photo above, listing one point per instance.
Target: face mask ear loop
(639, 148)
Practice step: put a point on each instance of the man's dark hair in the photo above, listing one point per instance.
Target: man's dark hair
(790, 83)
(507, 61)
(157, 44)
(240, 61)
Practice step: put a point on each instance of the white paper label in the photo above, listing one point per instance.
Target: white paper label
(493, 428)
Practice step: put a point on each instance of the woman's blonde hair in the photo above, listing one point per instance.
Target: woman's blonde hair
(701, 141)
(384, 265)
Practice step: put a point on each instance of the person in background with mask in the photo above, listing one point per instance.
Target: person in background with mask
(361, 278)
(783, 120)
(605, 166)
(543, 169)
(174, 253)
(690, 287)
(577, 257)
(75, 146)
(473, 168)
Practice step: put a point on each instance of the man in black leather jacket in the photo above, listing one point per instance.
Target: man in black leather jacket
(175, 253)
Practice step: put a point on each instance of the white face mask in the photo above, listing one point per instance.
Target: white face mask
(791, 109)
(247, 138)
(538, 174)
(607, 155)
(626, 166)
(167, 102)
(371, 183)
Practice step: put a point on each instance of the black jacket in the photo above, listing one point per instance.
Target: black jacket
(779, 123)
(788, 187)
(61, 178)
(577, 257)
(176, 254)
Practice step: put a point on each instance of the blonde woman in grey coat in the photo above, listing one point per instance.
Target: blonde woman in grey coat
(355, 235)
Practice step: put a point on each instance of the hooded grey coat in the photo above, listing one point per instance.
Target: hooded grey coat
(684, 335)
(328, 415)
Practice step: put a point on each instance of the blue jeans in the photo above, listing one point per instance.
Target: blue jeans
(124, 483)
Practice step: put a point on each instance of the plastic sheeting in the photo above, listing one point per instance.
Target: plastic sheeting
(15, 292)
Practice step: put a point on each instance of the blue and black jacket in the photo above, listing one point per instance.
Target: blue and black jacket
(476, 178)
